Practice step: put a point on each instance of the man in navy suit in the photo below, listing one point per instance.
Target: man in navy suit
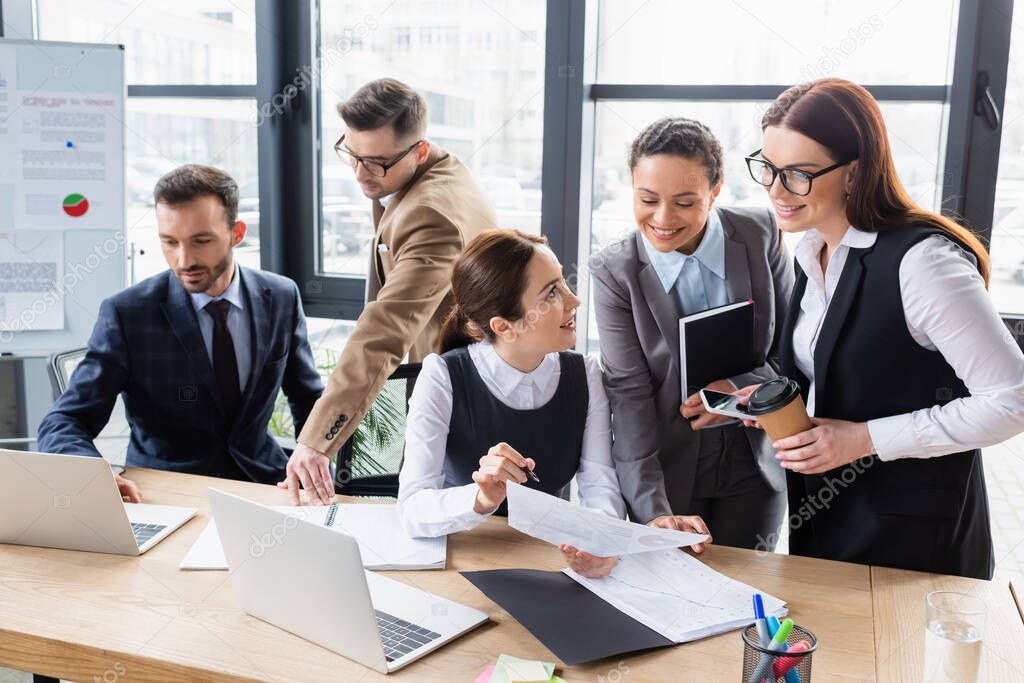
(198, 352)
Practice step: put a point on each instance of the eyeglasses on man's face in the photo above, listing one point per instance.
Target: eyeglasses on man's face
(793, 179)
(375, 168)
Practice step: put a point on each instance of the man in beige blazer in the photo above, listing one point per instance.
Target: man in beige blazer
(426, 208)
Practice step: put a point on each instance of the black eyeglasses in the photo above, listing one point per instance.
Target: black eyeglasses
(793, 179)
(374, 168)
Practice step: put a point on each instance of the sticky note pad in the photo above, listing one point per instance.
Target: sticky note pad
(511, 669)
(485, 675)
(527, 672)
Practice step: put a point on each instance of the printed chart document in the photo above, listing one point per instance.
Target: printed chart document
(677, 595)
(383, 543)
(557, 521)
(31, 270)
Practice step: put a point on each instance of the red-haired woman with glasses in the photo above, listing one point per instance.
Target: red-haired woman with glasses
(905, 365)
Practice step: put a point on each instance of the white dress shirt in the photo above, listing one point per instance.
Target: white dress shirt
(427, 509)
(948, 310)
(697, 280)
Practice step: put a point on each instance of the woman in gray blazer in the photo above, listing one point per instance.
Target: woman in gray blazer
(687, 255)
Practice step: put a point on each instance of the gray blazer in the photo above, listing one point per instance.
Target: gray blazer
(654, 449)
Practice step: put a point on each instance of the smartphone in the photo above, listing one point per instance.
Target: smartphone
(723, 404)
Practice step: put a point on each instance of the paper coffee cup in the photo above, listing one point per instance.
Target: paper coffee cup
(779, 408)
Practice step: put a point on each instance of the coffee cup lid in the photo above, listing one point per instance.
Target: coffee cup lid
(772, 395)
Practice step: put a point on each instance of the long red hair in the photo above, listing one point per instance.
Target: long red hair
(844, 118)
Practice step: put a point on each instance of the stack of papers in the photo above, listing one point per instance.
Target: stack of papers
(558, 521)
(383, 544)
(677, 595)
(668, 591)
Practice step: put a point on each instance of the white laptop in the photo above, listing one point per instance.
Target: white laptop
(274, 558)
(72, 502)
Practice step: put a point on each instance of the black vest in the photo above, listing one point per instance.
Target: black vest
(552, 434)
(925, 514)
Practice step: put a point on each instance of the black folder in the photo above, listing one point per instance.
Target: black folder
(716, 344)
(576, 625)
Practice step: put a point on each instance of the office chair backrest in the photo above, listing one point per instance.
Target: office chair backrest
(369, 462)
(112, 441)
(61, 366)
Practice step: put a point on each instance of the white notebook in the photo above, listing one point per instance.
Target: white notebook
(383, 544)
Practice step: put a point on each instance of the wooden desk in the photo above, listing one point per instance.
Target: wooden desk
(899, 596)
(85, 617)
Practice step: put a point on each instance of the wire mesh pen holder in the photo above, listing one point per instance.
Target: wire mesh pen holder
(793, 668)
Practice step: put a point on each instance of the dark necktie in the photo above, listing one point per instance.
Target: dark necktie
(225, 365)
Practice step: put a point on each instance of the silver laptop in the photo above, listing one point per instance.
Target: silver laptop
(275, 558)
(72, 502)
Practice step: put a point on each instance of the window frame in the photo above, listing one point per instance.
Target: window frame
(293, 144)
(571, 93)
(969, 167)
(227, 91)
(288, 142)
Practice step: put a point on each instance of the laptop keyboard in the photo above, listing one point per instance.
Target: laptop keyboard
(400, 637)
(144, 532)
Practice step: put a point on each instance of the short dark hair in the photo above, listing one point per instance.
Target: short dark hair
(386, 102)
(683, 137)
(190, 181)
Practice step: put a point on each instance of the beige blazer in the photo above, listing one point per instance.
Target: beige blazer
(417, 239)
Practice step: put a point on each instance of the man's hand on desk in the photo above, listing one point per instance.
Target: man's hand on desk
(312, 470)
(691, 523)
(588, 565)
(128, 489)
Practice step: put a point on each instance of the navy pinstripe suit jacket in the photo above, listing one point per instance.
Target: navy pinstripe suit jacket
(147, 347)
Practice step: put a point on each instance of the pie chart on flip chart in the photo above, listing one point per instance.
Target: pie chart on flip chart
(75, 205)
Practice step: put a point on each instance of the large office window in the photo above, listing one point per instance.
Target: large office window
(185, 41)
(940, 94)
(1007, 245)
(641, 59)
(184, 61)
(480, 67)
(786, 41)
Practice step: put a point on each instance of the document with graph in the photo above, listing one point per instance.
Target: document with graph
(558, 521)
(677, 595)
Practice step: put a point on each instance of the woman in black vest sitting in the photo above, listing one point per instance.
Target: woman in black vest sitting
(506, 397)
(903, 361)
